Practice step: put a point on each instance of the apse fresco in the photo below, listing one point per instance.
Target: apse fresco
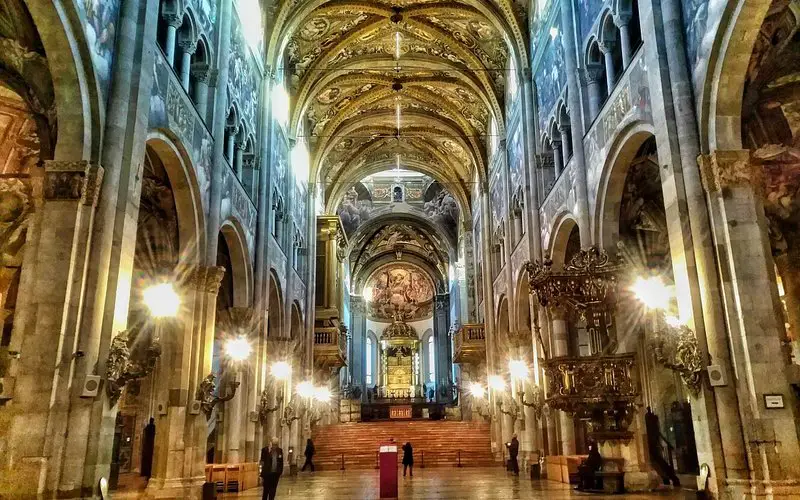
(399, 290)
(550, 76)
(695, 17)
(100, 25)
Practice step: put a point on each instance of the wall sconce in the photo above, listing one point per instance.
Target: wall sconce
(205, 394)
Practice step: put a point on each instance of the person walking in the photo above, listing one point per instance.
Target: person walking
(309, 455)
(271, 469)
(513, 451)
(408, 459)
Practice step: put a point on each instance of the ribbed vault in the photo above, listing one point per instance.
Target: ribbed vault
(354, 66)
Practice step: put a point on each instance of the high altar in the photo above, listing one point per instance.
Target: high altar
(400, 361)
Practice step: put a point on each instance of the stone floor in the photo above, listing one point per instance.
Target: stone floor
(467, 483)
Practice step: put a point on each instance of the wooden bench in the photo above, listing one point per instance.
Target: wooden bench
(233, 477)
(563, 468)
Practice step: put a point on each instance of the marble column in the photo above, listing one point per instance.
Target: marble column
(173, 23)
(576, 121)
(187, 50)
(358, 329)
(564, 130)
(622, 21)
(202, 74)
(558, 161)
(592, 75)
(734, 183)
(238, 159)
(607, 48)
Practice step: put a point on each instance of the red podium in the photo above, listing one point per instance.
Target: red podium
(388, 467)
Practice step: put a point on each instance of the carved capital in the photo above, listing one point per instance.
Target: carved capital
(188, 46)
(607, 46)
(622, 19)
(201, 72)
(206, 279)
(73, 180)
(243, 318)
(172, 19)
(726, 169)
(592, 74)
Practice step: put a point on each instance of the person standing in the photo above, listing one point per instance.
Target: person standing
(148, 444)
(271, 469)
(513, 451)
(408, 459)
(309, 456)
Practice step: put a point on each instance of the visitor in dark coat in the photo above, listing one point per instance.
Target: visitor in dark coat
(309, 456)
(148, 444)
(408, 459)
(513, 452)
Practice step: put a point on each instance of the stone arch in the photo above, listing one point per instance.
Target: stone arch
(186, 190)
(523, 309)
(502, 325)
(606, 29)
(564, 224)
(296, 328)
(592, 55)
(720, 108)
(79, 104)
(275, 306)
(233, 233)
(612, 182)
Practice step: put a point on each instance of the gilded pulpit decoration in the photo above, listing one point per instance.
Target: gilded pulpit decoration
(600, 388)
(587, 286)
(676, 348)
(121, 369)
(205, 394)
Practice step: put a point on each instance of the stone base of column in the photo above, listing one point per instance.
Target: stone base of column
(638, 481)
(188, 487)
(754, 488)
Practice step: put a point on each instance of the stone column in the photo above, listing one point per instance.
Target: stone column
(564, 130)
(558, 162)
(592, 75)
(607, 49)
(202, 74)
(46, 328)
(218, 126)
(441, 327)
(187, 50)
(735, 187)
(358, 329)
(559, 347)
(622, 22)
(237, 162)
(173, 23)
(576, 121)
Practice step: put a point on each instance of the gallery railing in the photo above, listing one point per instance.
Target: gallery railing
(470, 343)
(330, 347)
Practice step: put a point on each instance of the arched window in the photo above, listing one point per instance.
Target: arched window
(368, 364)
(431, 361)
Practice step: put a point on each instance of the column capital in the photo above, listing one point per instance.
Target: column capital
(721, 170)
(188, 46)
(591, 74)
(606, 46)
(201, 72)
(73, 180)
(243, 318)
(172, 19)
(358, 304)
(622, 19)
(205, 278)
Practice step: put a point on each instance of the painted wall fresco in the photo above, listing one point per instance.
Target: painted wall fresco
(551, 76)
(355, 208)
(562, 198)
(171, 109)
(695, 20)
(236, 203)
(497, 198)
(630, 102)
(299, 292)
(100, 18)
(588, 11)
(441, 207)
(399, 289)
(244, 78)
(478, 264)
(205, 13)
(516, 158)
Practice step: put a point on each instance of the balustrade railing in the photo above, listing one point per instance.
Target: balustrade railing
(470, 343)
(330, 346)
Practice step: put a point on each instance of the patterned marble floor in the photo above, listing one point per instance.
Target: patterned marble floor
(483, 484)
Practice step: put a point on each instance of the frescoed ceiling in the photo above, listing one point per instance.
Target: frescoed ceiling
(352, 65)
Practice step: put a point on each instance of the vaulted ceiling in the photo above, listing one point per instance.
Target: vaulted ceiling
(353, 64)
